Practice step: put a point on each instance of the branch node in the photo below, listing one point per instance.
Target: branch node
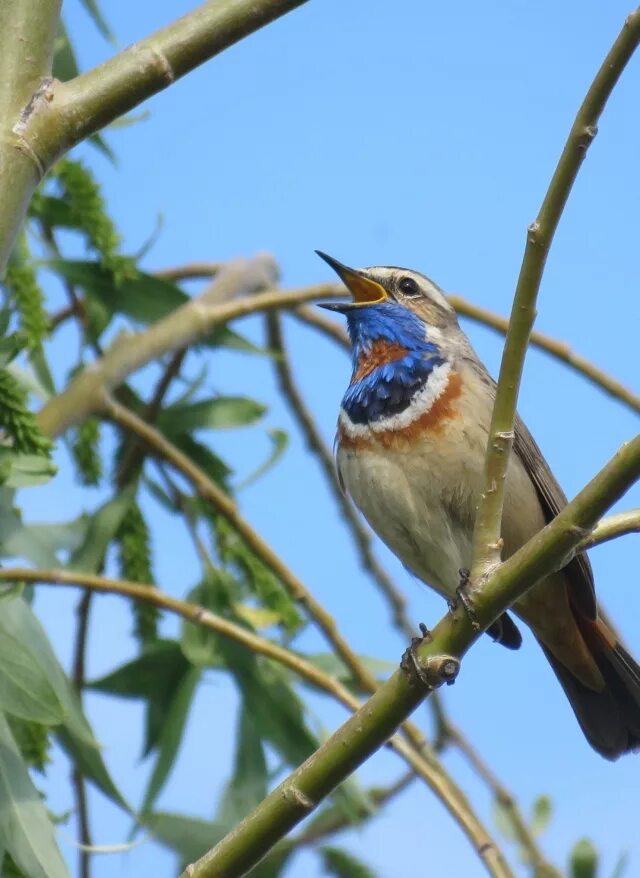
(295, 795)
(162, 64)
(533, 232)
(432, 672)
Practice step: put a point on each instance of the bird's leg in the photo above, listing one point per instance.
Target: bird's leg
(463, 595)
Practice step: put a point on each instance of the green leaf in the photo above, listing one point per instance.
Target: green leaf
(129, 120)
(504, 820)
(33, 651)
(280, 441)
(621, 866)
(216, 592)
(542, 810)
(170, 737)
(275, 708)
(248, 785)
(584, 860)
(224, 337)
(40, 543)
(203, 457)
(154, 677)
(26, 831)
(76, 737)
(219, 412)
(98, 19)
(25, 470)
(144, 298)
(54, 212)
(342, 864)
(255, 575)
(101, 529)
(187, 836)
(30, 684)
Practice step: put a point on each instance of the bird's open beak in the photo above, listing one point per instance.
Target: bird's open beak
(364, 289)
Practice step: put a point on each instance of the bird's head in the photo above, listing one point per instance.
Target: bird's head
(396, 305)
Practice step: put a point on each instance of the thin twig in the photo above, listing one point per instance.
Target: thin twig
(134, 453)
(486, 538)
(83, 611)
(616, 525)
(190, 271)
(448, 733)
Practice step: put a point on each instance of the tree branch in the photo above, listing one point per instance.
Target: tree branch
(617, 525)
(27, 34)
(394, 700)
(423, 758)
(198, 615)
(447, 731)
(133, 350)
(560, 350)
(45, 118)
(487, 544)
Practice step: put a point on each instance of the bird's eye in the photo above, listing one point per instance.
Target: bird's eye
(408, 286)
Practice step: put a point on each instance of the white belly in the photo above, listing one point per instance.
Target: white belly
(422, 500)
(408, 501)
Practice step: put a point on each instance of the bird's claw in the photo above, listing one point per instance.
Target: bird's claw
(463, 597)
(435, 671)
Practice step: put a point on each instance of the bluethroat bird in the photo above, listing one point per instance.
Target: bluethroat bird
(412, 434)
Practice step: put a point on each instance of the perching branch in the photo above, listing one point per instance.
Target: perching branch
(423, 759)
(438, 656)
(487, 543)
(41, 118)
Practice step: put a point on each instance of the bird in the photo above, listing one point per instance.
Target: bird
(412, 433)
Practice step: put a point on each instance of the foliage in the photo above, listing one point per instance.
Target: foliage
(71, 243)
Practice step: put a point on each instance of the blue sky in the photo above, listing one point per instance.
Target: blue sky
(416, 134)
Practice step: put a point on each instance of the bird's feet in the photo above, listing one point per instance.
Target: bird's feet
(463, 596)
(410, 663)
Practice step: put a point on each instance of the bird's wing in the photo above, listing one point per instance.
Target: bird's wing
(553, 500)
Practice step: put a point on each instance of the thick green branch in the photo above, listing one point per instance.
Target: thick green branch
(372, 725)
(487, 543)
(46, 118)
(27, 34)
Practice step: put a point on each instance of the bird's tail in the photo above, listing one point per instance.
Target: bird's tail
(609, 718)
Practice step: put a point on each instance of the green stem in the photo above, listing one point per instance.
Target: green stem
(487, 544)
(27, 34)
(377, 720)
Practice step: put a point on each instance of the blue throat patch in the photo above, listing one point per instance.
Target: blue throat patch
(390, 387)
